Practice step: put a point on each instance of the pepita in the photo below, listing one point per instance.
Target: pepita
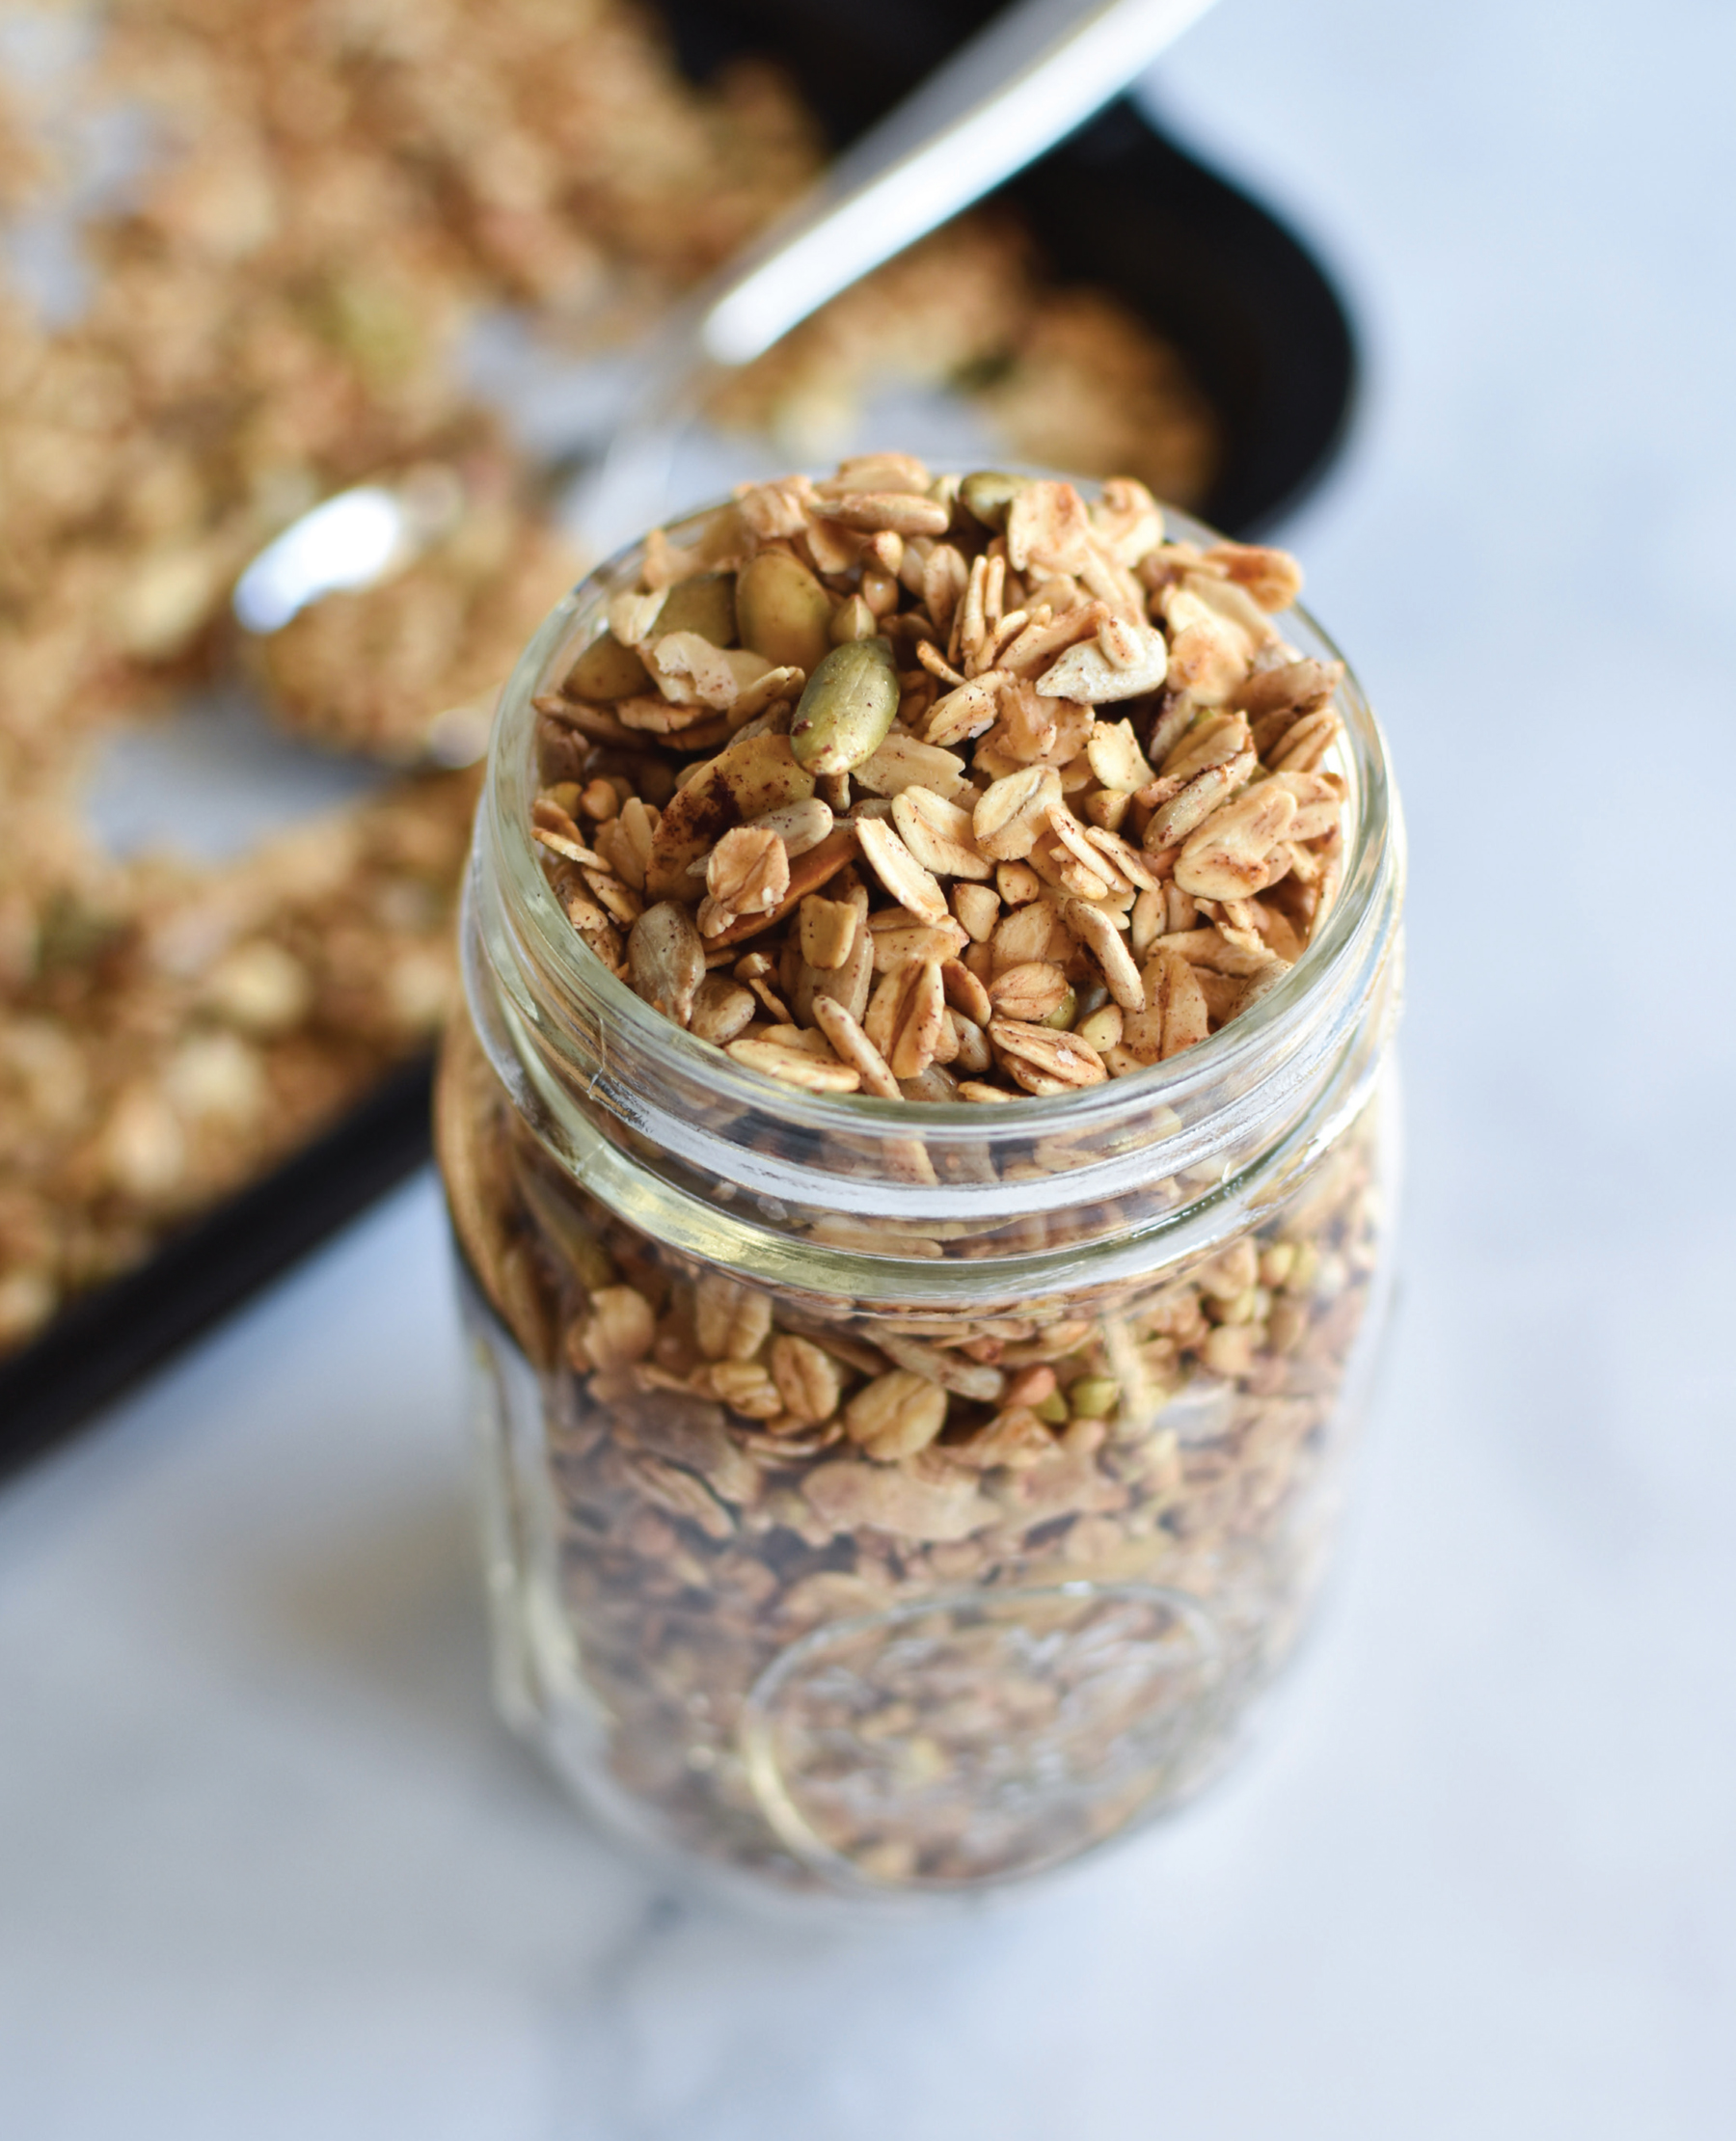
(705, 603)
(606, 670)
(989, 492)
(782, 611)
(847, 710)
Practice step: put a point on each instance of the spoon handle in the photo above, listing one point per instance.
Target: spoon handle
(1037, 72)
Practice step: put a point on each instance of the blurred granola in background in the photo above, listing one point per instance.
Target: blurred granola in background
(332, 193)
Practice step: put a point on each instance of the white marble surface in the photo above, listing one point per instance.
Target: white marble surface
(267, 1868)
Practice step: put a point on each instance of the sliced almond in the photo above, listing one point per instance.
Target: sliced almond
(807, 872)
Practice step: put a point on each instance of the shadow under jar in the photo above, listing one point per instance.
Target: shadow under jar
(833, 1672)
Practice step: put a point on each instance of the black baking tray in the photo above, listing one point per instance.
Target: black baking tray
(110, 1338)
(1118, 205)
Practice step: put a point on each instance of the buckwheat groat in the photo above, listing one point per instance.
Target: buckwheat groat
(924, 1325)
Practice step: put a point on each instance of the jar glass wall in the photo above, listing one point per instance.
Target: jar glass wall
(1115, 1346)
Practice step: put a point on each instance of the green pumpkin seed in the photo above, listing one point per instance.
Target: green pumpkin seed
(784, 612)
(989, 492)
(1092, 1396)
(705, 604)
(1063, 1013)
(606, 670)
(848, 709)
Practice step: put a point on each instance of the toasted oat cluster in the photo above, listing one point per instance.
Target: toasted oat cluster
(940, 787)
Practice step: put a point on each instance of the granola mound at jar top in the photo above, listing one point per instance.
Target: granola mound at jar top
(920, 1157)
(955, 775)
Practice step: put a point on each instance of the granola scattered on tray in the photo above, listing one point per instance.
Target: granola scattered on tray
(896, 774)
(333, 197)
(178, 1030)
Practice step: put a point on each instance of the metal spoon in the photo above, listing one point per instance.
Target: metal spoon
(1030, 78)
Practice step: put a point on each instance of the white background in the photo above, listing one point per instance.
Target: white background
(267, 1868)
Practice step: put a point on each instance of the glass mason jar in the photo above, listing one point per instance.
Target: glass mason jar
(1148, 1309)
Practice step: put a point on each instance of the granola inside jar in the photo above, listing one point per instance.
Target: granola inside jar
(915, 1358)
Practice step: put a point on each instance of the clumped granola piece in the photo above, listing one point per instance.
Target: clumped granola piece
(1076, 780)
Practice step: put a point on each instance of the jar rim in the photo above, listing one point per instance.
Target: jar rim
(576, 992)
(829, 1273)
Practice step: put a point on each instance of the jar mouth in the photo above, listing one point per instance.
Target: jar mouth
(574, 1026)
